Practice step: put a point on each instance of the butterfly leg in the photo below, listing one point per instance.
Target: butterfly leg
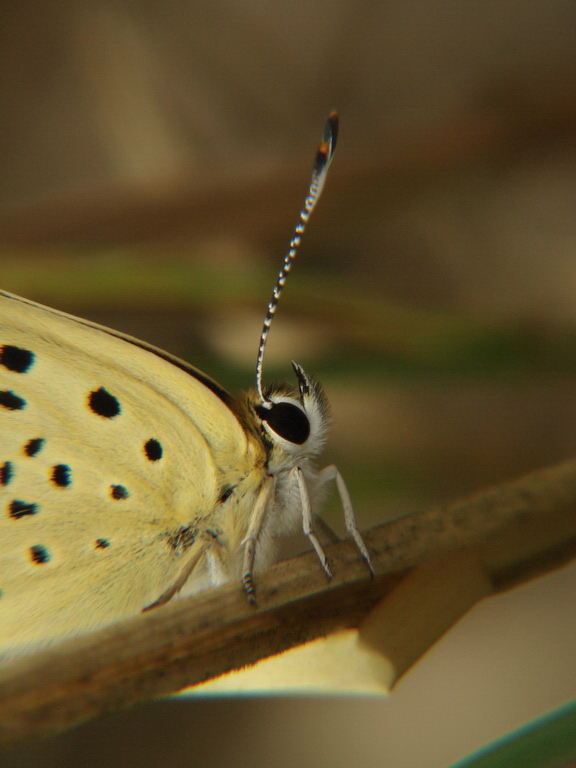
(307, 521)
(329, 474)
(196, 553)
(254, 528)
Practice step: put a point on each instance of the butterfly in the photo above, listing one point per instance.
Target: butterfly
(128, 475)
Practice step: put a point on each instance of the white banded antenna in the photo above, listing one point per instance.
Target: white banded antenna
(322, 163)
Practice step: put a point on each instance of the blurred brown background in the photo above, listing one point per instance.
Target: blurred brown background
(154, 157)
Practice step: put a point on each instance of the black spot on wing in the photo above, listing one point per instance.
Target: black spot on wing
(102, 403)
(39, 554)
(18, 508)
(61, 475)
(16, 359)
(6, 473)
(153, 450)
(118, 492)
(11, 401)
(34, 446)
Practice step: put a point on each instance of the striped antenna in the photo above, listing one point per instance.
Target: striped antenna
(322, 163)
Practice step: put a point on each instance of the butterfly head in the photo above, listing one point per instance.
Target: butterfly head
(295, 421)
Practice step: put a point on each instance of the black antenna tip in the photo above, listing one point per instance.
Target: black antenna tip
(328, 146)
(331, 129)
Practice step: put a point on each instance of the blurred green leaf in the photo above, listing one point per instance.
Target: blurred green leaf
(548, 742)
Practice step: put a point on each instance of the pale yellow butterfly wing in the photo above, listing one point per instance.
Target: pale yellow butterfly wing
(112, 463)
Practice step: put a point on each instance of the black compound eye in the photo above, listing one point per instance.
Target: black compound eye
(287, 420)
